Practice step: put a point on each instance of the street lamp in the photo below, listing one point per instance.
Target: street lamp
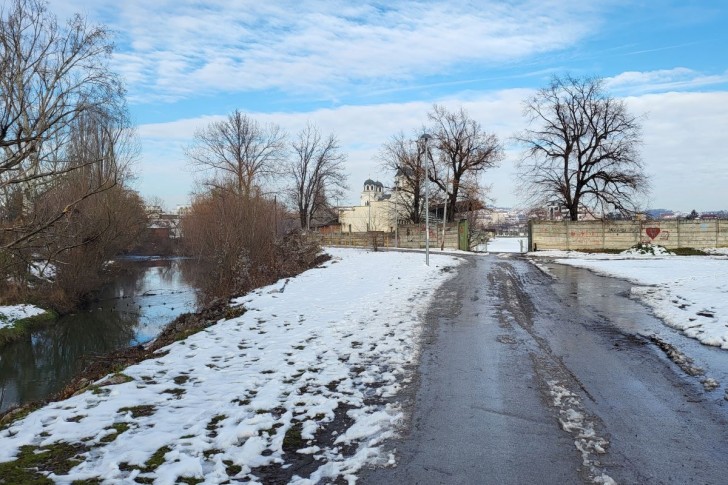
(425, 138)
(444, 214)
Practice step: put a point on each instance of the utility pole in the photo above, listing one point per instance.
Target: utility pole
(425, 137)
(444, 214)
(396, 215)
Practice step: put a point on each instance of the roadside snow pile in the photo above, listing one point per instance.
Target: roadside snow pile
(647, 249)
(575, 420)
(718, 251)
(9, 314)
(688, 293)
(296, 389)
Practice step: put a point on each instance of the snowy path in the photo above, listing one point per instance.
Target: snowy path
(299, 383)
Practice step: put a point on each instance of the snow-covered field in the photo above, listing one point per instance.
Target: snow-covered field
(689, 293)
(10, 313)
(313, 358)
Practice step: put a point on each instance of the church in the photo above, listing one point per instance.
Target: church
(377, 210)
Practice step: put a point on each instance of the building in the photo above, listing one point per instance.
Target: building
(377, 211)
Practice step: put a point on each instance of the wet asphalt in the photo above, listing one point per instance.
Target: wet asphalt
(528, 377)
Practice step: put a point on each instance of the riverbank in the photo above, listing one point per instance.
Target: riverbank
(16, 321)
(298, 384)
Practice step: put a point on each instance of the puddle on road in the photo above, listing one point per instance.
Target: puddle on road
(609, 299)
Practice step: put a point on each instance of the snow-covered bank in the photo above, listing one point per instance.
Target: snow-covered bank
(689, 293)
(9, 314)
(313, 358)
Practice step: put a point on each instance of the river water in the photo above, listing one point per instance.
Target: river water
(147, 294)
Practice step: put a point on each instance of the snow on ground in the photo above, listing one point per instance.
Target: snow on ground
(9, 314)
(505, 245)
(248, 392)
(689, 293)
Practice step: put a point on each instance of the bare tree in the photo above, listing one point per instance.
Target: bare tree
(238, 149)
(401, 157)
(464, 150)
(581, 149)
(57, 93)
(49, 76)
(317, 172)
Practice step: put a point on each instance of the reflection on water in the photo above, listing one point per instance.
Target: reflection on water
(145, 296)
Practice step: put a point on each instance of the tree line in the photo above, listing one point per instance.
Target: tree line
(68, 150)
(580, 151)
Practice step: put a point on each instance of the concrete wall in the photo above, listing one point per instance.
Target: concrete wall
(623, 234)
(410, 236)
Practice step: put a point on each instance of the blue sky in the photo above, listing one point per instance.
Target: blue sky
(367, 71)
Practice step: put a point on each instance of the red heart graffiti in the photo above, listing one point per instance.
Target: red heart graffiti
(652, 232)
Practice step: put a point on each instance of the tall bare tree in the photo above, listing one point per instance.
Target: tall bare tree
(401, 157)
(317, 172)
(51, 78)
(581, 149)
(463, 149)
(238, 149)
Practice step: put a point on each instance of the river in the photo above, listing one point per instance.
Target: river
(146, 294)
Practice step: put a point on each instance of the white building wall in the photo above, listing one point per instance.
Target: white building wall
(377, 216)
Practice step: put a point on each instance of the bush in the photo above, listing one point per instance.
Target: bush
(647, 248)
(234, 237)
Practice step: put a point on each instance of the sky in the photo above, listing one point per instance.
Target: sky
(366, 71)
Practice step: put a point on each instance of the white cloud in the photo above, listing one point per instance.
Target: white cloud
(170, 49)
(684, 148)
(679, 78)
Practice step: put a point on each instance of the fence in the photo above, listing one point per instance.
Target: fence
(599, 235)
(412, 236)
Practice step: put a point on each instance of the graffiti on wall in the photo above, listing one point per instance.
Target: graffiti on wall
(655, 233)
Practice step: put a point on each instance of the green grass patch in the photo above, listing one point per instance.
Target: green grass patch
(23, 326)
(32, 461)
(119, 428)
(187, 332)
(292, 441)
(154, 462)
(18, 413)
(212, 425)
(190, 480)
(599, 251)
(181, 379)
(156, 459)
(176, 392)
(211, 452)
(272, 430)
(689, 252)
(139, 411)
(233, 312)
(231, 468)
